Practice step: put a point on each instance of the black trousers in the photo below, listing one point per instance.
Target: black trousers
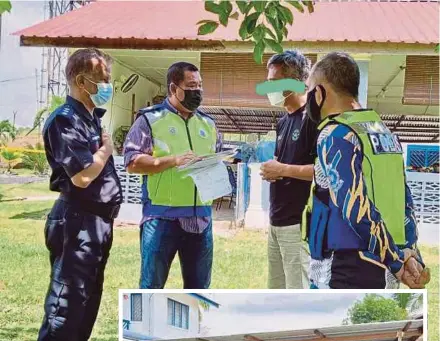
(349, 271)
(79, 244)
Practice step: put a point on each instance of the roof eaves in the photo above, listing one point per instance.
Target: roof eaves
(205, 299)
(122, 43)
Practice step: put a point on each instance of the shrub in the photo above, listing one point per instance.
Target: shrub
(35, 160)
(10, 158)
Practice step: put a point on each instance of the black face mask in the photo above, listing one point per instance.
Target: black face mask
(192, 100)
(312, 107)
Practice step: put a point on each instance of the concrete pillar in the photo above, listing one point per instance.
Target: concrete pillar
(257, 214)
(363, 85)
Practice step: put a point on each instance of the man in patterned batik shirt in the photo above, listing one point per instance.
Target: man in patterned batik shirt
(351, 239)
(174, 220)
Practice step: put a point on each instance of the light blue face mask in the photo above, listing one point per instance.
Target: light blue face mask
(104, 94)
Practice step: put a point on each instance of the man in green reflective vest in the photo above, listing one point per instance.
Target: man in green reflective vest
(174, 220)
(362, 230)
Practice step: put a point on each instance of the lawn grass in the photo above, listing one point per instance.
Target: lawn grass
(239, 262)
(24, 273)
(33, 189)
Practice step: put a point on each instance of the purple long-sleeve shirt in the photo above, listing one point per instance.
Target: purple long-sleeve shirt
(139, 141)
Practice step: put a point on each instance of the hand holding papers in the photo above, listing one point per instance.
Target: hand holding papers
(210, 175)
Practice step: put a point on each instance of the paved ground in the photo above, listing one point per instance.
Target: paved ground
(429, 234)
(20, 179)
(224, 225)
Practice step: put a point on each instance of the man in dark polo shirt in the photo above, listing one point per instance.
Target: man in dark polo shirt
(79, 228)
(290, 174)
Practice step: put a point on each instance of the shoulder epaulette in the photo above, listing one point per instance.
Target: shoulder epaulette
(149, 109)
(64, 110)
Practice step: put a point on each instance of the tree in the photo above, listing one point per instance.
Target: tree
(7, 131)
(203, 306)
(5, 6)
(408, 301)
(42, 114)
(375, 308)
(263, 22)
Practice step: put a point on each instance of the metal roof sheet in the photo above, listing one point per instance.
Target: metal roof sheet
(236, 120)
(122, 21)
(384, 331)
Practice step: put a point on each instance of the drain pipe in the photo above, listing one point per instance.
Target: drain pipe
(149, 315)
(385, 87)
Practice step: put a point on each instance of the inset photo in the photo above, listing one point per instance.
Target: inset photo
(271, 316)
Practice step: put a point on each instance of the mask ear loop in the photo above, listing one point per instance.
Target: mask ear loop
(76, 80)
(291, 93)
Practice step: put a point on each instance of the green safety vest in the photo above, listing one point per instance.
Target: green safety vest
(382, 167)
(172, 135)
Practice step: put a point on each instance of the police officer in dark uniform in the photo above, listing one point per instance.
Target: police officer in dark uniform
(79, 228)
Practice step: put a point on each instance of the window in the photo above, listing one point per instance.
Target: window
(421, 85)
(229, 79)
(136, 307)
(178, 314)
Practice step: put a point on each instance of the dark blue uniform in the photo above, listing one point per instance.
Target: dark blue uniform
(79, 228)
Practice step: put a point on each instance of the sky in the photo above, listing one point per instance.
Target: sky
(251, 313)
(19, 62)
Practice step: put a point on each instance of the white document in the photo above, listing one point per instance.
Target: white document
(210, 175)
(212, 181)
(207, 161)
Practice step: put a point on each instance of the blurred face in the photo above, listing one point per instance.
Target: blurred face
(188, 93)
(275, 72)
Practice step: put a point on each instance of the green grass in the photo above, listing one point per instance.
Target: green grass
(239, 262)
(24, 270)
(431, 258)
(25, 190)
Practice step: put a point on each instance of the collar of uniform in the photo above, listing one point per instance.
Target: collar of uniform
(81, 109)
(171, 108)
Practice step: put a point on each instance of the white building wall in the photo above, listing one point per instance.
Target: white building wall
(155, 316)
(19, 64)
(161, 328)
(119, 109)
(142, 327)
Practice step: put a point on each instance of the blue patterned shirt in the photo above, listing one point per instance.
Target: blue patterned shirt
(339, 169)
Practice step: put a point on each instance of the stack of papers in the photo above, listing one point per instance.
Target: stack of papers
(208, 160)
(210, 175)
